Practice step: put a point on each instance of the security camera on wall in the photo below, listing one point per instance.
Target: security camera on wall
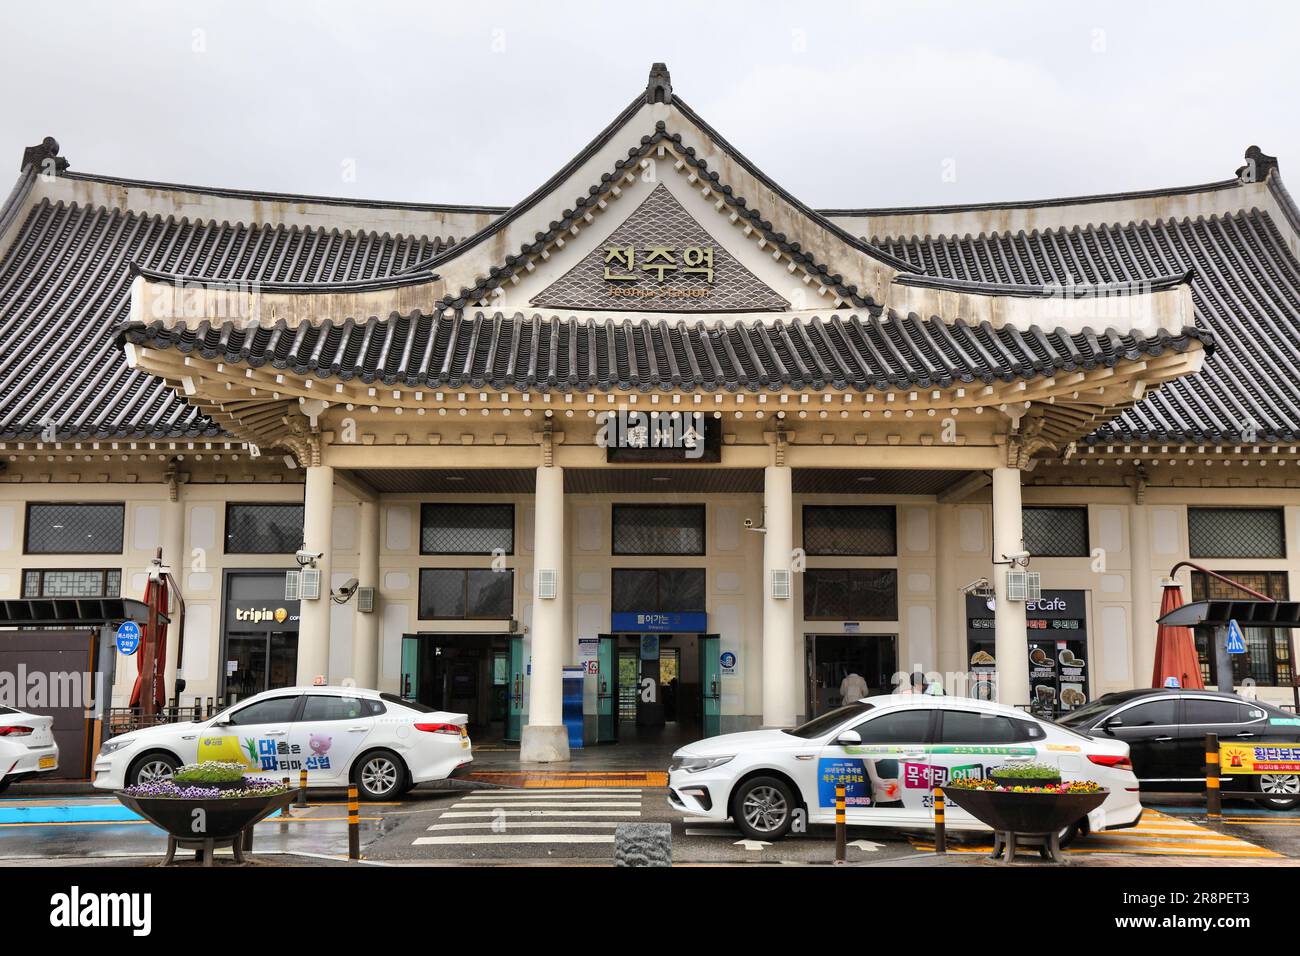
(749, 526)
(344, 593)
(308, 559)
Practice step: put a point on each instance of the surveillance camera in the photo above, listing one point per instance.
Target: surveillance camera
(307, 559)
(1017, 556)
(349, 588)
(749, 522)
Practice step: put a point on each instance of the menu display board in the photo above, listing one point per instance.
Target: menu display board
(1057, 646)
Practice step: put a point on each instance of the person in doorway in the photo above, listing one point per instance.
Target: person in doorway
(913, 685)
(852, 688)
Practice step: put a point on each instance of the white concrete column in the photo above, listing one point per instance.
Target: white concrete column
(1011, 639)
(780, 680)
(949, 603)
(1143, 629)
(175, 558)
(318, 535)
(365, 629)
(544, 738)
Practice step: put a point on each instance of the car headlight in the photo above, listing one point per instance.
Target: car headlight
(113, 746)
(697, 764)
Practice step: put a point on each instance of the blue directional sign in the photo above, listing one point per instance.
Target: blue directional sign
(1236, 641)
(128, 638)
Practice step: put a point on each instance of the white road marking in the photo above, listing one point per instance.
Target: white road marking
(625, 804)
(483, 838)
(522, 824)
(544, 792)
(541, 813)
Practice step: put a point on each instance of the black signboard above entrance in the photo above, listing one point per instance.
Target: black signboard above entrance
(654, 437)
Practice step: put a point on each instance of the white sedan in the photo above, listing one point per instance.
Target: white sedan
(27, 746)
(889, 753)
(337, 734)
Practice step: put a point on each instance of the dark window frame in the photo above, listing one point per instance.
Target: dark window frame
(892, 510)
(1085, 551)
(506, 505)
(103, 580)
(848, 573)
(27, 524)
(660, 574)
(225, 530)
(615, 550)
(465, 572)
(1279, 645)
(1199, 555)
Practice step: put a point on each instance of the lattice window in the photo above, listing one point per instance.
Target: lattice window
(467, 528)
(657, 589)
(850, 530)
(72, 582)
(466, 594)
(263, 528)
(659, 529)
(1267, 660)
(75, 529)
(850, 594)
(1235, 533)
(1055, 532)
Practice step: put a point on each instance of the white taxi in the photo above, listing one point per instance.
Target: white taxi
(337, 734)
(889, 753)
(27, 746)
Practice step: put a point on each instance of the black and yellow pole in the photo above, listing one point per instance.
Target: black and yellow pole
(354, 824)
(940, 832)
(1213, 798)
(287, 812)
(301, 802)
(841, 846)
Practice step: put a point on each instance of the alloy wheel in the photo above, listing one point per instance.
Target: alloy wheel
(765, 809)
(154, 771)
(1279, 783)
(379, 775)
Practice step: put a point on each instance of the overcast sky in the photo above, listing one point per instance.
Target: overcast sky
(844, 104)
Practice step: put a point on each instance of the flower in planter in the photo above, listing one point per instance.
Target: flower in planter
(171, 790)
(1067, 787)
(1026, 771)
(211, 772)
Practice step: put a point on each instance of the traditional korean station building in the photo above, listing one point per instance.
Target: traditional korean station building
(657, 446)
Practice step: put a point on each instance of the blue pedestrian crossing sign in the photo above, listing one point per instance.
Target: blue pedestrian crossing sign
(1236, 642)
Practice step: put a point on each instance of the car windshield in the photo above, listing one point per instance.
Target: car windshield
(829, 721)
(1086, 713)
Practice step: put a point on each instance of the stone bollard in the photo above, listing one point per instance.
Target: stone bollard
(643, 844)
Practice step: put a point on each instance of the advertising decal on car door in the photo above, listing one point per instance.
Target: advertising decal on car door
(902, 775)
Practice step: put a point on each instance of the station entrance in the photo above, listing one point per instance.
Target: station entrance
(658, 688)
(462, 674)
(833, 657)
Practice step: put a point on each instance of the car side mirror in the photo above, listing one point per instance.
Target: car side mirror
(1112, 723)
(848, 737)
(223, 722)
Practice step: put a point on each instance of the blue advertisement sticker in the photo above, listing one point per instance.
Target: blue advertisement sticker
(849, 773)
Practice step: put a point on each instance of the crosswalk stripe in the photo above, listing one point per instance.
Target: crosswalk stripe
(575, 792)
(525, 824)
(541, 813)
(483, 838)
(551, 803)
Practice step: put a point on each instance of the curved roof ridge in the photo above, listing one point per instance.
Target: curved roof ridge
(1080, 290)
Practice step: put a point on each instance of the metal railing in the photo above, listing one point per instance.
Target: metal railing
(122, 720)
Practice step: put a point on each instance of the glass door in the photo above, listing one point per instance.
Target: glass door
(515, 692)
(710, 685)
(607, 690)
(410, 687)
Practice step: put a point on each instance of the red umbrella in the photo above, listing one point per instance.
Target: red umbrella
(1175, 647)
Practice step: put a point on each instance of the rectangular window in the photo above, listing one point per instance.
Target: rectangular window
(658, 589)
(658, 529)
(466, 594)
(1055, 532)
(447, 528)
(1267, 660)
(74, 529)
(263, 528)
(850, 594)
(69, 582)
(850, 530)
(1235, 533)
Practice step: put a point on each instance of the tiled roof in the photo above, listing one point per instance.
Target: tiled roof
(64, 292)
(1246, 289)
(498, 352)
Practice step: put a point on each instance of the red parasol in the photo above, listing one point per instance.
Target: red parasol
(153, 646)
(1175, 648)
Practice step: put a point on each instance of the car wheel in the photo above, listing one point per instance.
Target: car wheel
(380, 775)
(152, 768)
(4, 785)
(1072, 833)
(1288, 784)
(763, 808)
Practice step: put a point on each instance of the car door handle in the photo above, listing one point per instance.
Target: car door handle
(1017, 758)
(1161, 740)
(357, 730)
(1245, 735)
(276, 733)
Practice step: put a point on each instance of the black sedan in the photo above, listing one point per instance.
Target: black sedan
(1165, 730)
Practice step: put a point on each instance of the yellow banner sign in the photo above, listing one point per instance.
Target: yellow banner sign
(1259, 758)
